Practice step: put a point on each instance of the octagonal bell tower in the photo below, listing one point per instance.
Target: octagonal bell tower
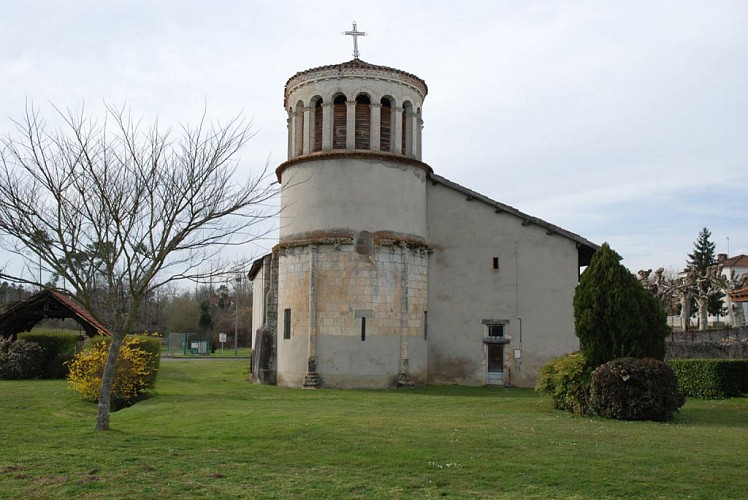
(353, 255)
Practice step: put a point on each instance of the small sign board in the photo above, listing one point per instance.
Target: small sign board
(222, 337)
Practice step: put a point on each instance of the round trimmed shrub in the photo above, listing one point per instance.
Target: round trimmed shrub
(566, 381)
(635, 389)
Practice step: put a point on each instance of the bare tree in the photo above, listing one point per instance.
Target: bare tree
(118, 210)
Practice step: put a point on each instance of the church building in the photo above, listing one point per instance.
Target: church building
(387, 274)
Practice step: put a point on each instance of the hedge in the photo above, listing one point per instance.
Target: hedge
(20, 359)
(57, 347)
(711, 378)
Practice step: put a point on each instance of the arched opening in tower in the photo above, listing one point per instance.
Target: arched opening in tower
(363, 122)
(317, 146)
(384, 124)
(339, 122)
(407, 128)
(298, 140)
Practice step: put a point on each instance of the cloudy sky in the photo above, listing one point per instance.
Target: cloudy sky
(622, 121)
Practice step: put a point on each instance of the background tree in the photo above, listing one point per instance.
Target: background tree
(118, 210)
(182, 314)
(615, 315)
(206, 318)
(708, 297)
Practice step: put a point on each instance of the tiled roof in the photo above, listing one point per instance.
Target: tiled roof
(24, 315)
(81, 313)
(740, 295)
(737, 261)
(358, 64)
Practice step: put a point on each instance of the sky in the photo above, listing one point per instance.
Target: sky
(622, 121)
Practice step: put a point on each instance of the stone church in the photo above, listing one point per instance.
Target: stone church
(387, 274)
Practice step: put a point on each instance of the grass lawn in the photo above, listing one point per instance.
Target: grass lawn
(208, 433)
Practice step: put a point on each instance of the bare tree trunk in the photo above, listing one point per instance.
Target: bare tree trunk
(685, 311)
(703, 303)
(107, 380)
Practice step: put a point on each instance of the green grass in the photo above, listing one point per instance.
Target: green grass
(208, 433)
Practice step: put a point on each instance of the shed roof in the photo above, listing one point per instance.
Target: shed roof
(22, 317)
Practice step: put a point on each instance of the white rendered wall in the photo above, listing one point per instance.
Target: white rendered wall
(533, 290)
(354, 194)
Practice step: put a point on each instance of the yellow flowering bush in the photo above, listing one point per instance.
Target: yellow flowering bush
(132, 376)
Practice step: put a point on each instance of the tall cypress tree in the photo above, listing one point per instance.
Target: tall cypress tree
(614, 315)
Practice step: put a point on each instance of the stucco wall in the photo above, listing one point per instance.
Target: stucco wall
(533, 290)
(354, 194)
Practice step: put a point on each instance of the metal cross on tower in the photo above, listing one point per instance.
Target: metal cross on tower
(355, 34)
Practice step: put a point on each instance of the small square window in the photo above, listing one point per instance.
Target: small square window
(495, 331)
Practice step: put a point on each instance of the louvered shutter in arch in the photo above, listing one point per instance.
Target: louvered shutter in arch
(318, 126)
(339, 121)
(363, 122)
(384, 127)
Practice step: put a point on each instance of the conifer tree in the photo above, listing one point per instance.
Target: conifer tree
(615, 316)
(703, 254)
(700, 260)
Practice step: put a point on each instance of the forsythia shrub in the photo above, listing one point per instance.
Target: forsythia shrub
(567, 381)
(635, 389)
(151, 344)
(131, 379)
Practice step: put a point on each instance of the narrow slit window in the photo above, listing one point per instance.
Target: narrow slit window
(287, 323)
(495, 262)
(363, 328)
(425, 325)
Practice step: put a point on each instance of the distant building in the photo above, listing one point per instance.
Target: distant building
(388, 274)
(738, 264)
(736, 267)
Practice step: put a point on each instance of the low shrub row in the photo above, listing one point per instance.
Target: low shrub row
(712, 378)
(566, 381)
(37, 355)
(20, 359)
(625, 388)
(58, 348)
